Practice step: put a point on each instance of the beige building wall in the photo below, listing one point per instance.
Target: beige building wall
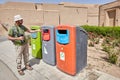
(79, 14)
(53, 7)
(0, 6)
(31, 17)
(26, 10)
(50, 14)
(51, 18)
(118, 16)
(93, 15)
(18, 6)
(38, 7)
(63, 13)
(73, 16)
(110, 14)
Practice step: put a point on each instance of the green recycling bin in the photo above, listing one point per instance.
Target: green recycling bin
(36, 43)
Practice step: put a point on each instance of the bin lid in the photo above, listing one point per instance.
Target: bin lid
(35, 27)
(82, 29)
(47, 27)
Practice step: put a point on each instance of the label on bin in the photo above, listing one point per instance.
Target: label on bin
(34, 35)
(45, 51)
(33, 46)
(62, 56)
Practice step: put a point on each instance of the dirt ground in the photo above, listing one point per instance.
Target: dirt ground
(97, 59)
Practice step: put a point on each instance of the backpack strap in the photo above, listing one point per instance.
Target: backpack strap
(15, 32)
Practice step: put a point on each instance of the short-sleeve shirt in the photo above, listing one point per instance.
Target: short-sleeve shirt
(17, 31)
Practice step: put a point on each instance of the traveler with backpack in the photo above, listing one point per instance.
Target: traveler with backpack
(17, 35)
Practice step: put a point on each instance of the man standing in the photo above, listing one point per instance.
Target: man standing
(17, 35)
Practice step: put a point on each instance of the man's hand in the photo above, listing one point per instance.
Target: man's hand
(39, 30)
(21, 38)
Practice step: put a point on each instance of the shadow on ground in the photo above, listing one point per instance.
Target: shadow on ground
(34, 61)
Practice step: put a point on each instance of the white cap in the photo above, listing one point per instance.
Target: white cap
(17, 17)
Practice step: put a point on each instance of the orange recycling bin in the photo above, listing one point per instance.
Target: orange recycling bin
(71, 48)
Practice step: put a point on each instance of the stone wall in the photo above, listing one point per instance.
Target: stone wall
(50, 14)
(18, 6)
(93, 15)
(104, 19)
(79, 14)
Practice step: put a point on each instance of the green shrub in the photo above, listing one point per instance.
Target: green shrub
(116, 43)
(106, 40)
(113, 58)
(91, 44)
(106, 48)
(104, 31)
(96, 40)
(111, 40)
